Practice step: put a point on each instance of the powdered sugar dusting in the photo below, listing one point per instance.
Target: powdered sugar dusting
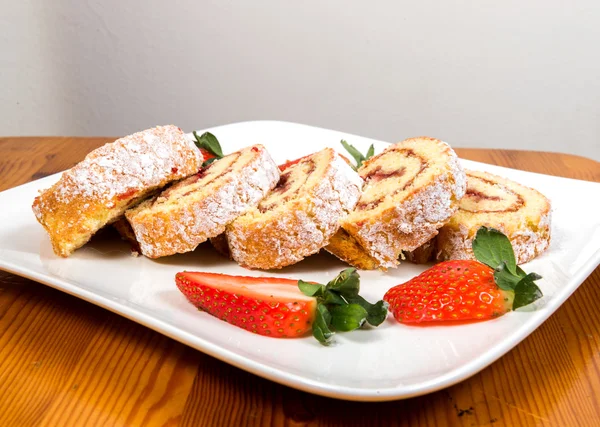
(184, 226)
(145, 159)
(303, 226)
(457, 173)
(417, 219)
(347, 182)
(335, 197)
(98, 190)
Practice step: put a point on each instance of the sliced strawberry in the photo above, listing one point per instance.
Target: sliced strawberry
(466, 289)
(263, 305)
(451, 290)
(283, 307)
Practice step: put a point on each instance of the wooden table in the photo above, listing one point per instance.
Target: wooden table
(65, 361)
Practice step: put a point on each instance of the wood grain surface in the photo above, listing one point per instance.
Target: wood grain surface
(67, 362)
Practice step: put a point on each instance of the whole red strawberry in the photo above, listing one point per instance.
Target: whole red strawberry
(451, 290)
(467, 289)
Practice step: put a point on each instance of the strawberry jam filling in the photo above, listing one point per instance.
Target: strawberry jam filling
(485, 196)
(398, 175)
(204, 177)
(289, 185)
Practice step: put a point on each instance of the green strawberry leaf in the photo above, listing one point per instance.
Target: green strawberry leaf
(320, 327)
(376, 313)
(526, 291)
(505, 279)
(340, 307)
(491, 248)
(334, 298)
(358, 156)
(354, 153)
(209, 142)
(346, 283)
(348, 317)
(311, 289)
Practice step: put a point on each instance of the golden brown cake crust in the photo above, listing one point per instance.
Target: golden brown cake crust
(420, 192)
(110, 179)
(199, 207)
(299, 217)
(344, 247)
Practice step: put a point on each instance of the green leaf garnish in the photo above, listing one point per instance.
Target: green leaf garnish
(348, 317)
(320, 327)
(346, 283)
(376, 313)
(492, 248)
(526, 291)
(358, 156)
(210, 143)
(310, 289)
(332, 298)
(340, 308)
(505, 279)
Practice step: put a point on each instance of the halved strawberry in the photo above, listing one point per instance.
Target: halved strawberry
(283, 307)
(467, 289)
(263, 305)
(451, 290)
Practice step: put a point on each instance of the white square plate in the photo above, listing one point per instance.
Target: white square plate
(392, 362)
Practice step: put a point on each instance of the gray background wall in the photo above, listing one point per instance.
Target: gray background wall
(511, 74)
